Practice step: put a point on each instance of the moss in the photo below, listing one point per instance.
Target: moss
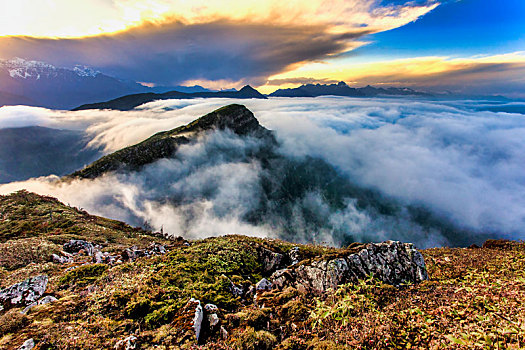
(295, 310)
(316, 344)
(293, 343)
(19, 253)
(12, 321)
(251, 339)
(256, 318)
(84, 274)
(138, 309)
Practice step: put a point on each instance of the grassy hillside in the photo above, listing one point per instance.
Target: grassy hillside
(474, 298)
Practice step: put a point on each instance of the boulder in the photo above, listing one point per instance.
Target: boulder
(197, 319)
(294, 255)
(28, 345)
(23, 293)
(74, 246)
(263, 285)
(270, 261)
(133, 253)
(99, 258)
(128, 343)
(391, 262)
(57, 259)
(211, 312)
(156, 248)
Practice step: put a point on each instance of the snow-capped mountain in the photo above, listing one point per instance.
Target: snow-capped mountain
(42, 84)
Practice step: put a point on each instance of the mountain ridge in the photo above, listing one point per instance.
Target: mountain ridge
(234, 117)
(342, 89)
(128, 102)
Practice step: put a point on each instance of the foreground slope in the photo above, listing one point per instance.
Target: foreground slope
(170, 294)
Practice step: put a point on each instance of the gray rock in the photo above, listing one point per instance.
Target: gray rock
(99, 257)
(236, 289)
(224, 333)
(133, 253)
(28, 345)
(391, 262)
(294, 255)
(76, 245)
(128, 343)
(270, 261)
(57, 259)
(213, 320)
(197, 319)
(43, 301)
(23, 293)
(263, 284)
(211, 308)
(211, 311)
(156, 248)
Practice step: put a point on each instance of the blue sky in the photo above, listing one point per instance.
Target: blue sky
(456, 28)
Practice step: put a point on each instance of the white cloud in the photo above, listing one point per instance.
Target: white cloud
(448, 156)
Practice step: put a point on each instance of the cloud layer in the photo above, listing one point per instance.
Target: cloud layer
(454, 158)
(166, 42)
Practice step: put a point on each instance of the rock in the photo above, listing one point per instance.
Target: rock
(294, 255)
(391, 262)
(133, 253)
(263, 285)
(213, 318)
(156, 248)
(57, 259)
(23, 293)
(224, 333)
(281, 277)
(197, 319)
(76, 245)
(45, 300)
(28, 345)
(99, 257)
(270, 261)
(211, 308)
(129, 343)
(236, 289)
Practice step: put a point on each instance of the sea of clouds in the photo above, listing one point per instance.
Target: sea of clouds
(462, 160)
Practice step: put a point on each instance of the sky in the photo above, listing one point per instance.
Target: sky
(460, 46)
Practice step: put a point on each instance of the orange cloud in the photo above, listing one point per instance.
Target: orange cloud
(435, 73)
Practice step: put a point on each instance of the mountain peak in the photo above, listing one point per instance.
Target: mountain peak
(234, 117)
(249, 92)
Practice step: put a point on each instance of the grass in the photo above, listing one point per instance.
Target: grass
(473, 300)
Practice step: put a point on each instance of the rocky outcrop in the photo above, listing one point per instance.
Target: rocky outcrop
(391, 262)
(77, 245)
(270, 261)
(23, 293)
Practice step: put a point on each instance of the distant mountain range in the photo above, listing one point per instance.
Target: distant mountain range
(40, 84)
(128, 102)
(342, 89)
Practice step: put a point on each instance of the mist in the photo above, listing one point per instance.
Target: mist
(460, 161)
